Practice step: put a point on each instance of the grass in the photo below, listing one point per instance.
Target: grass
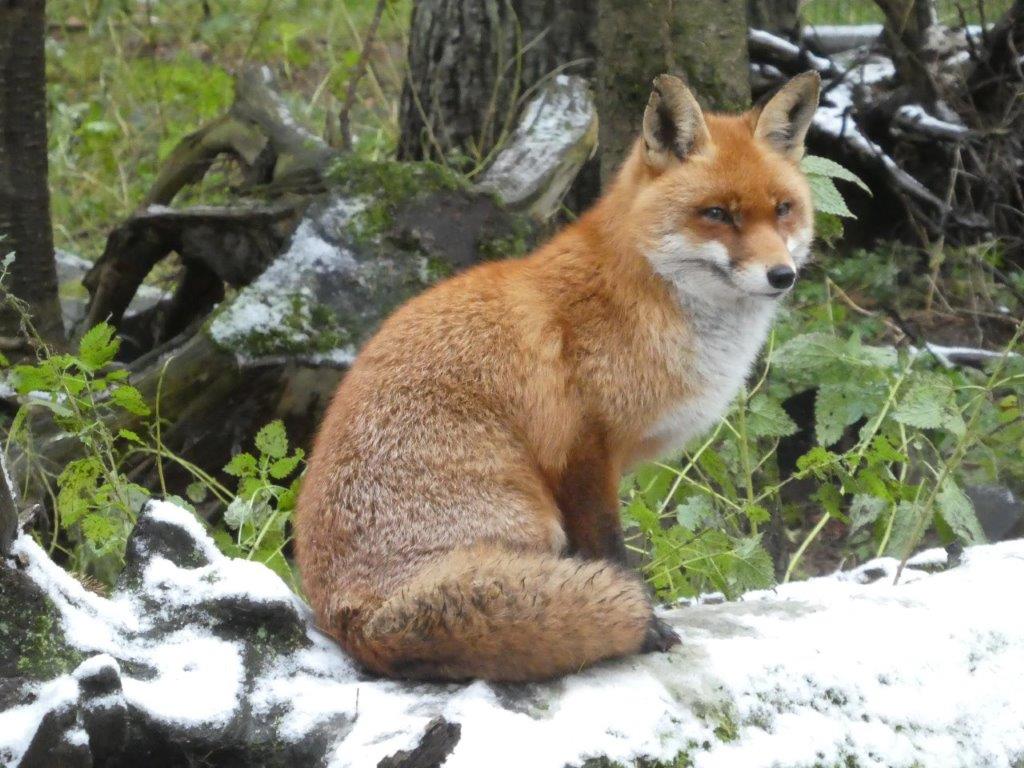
(127, 80)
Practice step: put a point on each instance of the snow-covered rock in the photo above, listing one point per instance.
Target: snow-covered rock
(199, 658)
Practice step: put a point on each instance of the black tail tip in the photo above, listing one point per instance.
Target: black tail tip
(660, 637)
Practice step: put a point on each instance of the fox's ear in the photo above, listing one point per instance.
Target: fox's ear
(673, 123)
(784, 120)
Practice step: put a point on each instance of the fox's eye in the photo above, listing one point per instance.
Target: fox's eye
(783, 209)
(716, 213)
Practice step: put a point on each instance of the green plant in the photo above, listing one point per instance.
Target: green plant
(262, 508)
(894, 437)
(93, 499)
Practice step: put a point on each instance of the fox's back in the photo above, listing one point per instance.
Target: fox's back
(424, 440)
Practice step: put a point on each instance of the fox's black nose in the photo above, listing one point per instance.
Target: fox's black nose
(781, 277)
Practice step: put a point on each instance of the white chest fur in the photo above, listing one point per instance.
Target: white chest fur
(728, 333)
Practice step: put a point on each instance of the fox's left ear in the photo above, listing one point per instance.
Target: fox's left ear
(673, 123)
(784, 120)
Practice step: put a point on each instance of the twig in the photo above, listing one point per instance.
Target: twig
(344, 127)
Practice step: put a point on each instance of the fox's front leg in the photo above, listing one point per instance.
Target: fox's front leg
(588, 497)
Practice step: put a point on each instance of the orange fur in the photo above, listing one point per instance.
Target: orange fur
(482, 432)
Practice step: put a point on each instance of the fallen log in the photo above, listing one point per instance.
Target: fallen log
(205, 658)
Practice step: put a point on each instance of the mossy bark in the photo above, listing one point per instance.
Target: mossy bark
(702, 41)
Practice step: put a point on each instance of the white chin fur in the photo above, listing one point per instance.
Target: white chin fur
(754, 280)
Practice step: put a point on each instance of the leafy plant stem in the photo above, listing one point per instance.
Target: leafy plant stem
(948, 467)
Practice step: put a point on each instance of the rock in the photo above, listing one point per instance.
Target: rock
(999, 511)
(197, 658)
(383, 233)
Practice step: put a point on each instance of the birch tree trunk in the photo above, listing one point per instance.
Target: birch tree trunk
(25, 228)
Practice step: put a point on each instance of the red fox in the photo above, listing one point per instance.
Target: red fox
(460, 515)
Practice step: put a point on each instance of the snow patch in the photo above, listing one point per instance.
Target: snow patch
(19, 724)
(198, 679)
(165, 512)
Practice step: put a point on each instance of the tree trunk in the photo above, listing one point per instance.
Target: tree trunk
(906, 27)
(25, 228)
(703, 41)
(781, 17)
(470, 64)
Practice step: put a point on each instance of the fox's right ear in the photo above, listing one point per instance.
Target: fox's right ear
(783, 121)
(673, 123)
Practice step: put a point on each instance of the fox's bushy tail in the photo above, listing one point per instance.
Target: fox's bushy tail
(503, 615)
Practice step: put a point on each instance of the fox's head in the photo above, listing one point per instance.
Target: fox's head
(720, 202)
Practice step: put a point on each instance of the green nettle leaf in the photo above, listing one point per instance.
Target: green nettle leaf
(272, 440)
(130, 399)
(958, 512)
(809, 352)
(132, 437)
(816, 460)
(226, 544)
(242, 465)
(930, 403)
(238, 513)
(882, 451)
(693, 511)
(97, 347)
(714, 465)
(197, 492)
(827, 227)
(868, 356)
(98, 528)
(864, 510)
(756, 513)
(836, 407)
(249, 487)
(830, 498)
(286, 501)
(752, 567)
(815, 165)
(767, 418)
(35, 378)
(827, 198)
(77, 485)
(281, 468)
(644, 517)
(904, 524)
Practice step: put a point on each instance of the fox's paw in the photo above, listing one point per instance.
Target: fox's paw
(660, 637)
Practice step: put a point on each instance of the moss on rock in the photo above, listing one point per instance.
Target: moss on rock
(31, 639)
